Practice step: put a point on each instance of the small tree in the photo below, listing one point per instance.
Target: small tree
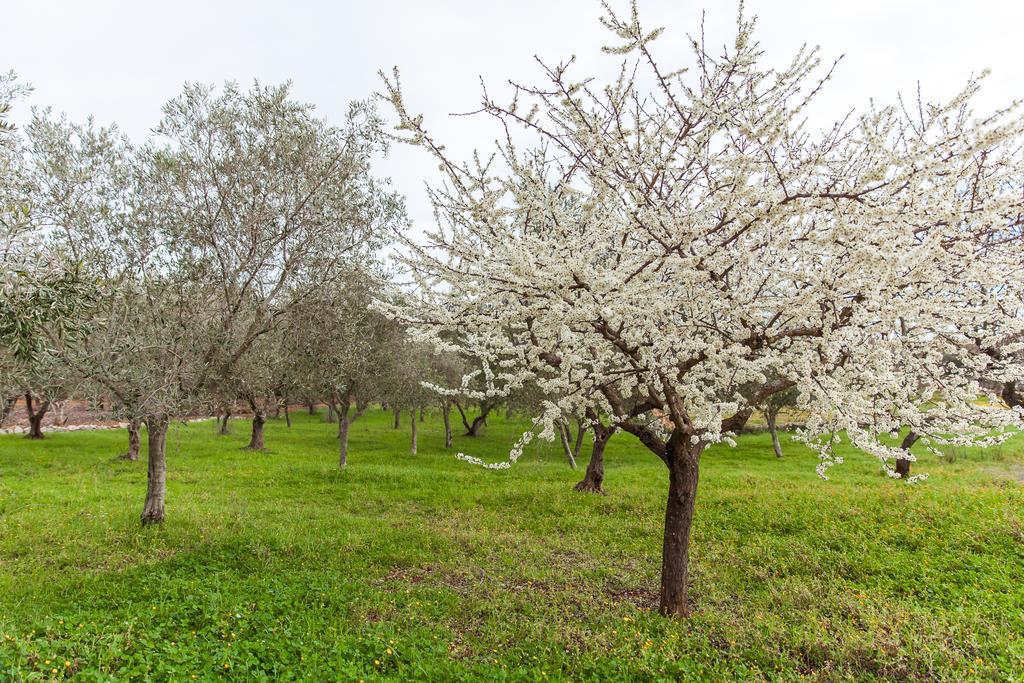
(772, 407)
(335, 344)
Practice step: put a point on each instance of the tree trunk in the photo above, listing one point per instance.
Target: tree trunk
(462, 414)
(412, 420)
(259, 419)
(683, 461)
(287, 416)
(312, 408)
(1012, 395)
(7, 408)
(903, 466)
(343, 423)
(398, 418)
(772, 416)
(330, 416)
(581, 431)
(224, 429)
(134, 441)
(35, 417)
(593, 480)
(156, 485)
(564, 434)
(478, 422)
(421, 413)
(446, 412)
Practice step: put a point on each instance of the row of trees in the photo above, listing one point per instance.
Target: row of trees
(189, 264)
(659, 255)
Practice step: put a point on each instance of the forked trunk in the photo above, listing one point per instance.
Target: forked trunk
(398, 418)
(446, 412)
(412, 420)
(156, 474)
(134, 440)
(593, 480)
(683, 466)
(772, 417)
(259, 418)
(902, 465)
(224, 427)
(35, 426)
(35, 416)
(478, 422)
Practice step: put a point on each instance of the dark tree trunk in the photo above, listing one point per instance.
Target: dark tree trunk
(580, 433)
(330, 416)
(156, 484)
(259, 418)
(1012, 395)
(421, 413)
(772, 416)
(134, 440)
(398, 418)
(343, 423)
(593, 480)
(446, 412)
(479, 421)
(683, 461)
(462, 414)
(35, 416)
(224, 427)
(903, 466)
(412, 420)
(312, 408)
(287, 416)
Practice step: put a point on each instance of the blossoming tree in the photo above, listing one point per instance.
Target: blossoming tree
(671, 248)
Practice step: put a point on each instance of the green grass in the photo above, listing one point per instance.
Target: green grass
(277, 566)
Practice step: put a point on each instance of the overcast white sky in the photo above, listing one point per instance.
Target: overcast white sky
(120, 60)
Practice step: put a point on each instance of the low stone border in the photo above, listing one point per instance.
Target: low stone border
(89, 427)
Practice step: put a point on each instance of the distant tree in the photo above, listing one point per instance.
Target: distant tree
(335, 344)
(772, 407)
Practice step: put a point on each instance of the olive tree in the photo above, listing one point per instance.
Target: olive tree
(243, 204)
(335, 346)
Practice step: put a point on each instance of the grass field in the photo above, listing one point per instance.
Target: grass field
(277, 566)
